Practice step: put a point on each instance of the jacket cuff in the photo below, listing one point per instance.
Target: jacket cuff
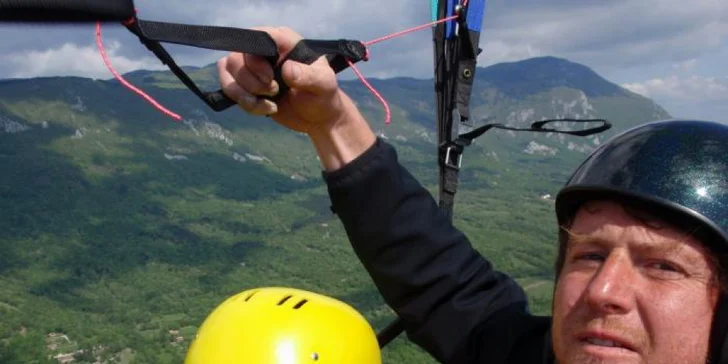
(356, 169)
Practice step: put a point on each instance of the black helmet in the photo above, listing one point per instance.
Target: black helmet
(679, 168)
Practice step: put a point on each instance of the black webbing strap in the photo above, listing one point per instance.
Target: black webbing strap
(66, 10)
(460, 75)
(467, 58)
(249, 41)
(538, 126)
(446, 86)
(453, 151)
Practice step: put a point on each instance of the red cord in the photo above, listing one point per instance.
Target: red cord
(410, 30)
(366, 83)
(388, 114)
(351, 64)
(124, 82)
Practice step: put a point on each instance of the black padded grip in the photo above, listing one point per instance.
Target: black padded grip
(66, 10)
(338, 53)
(300, 53)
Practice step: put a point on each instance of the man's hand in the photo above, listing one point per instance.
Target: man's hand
(314, 104)
(313, 101)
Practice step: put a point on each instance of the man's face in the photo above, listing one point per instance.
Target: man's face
(631, 293)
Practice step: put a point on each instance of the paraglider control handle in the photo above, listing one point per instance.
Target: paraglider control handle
(306, 51)
(340, 53)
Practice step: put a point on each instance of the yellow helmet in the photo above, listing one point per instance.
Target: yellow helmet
(278, 325)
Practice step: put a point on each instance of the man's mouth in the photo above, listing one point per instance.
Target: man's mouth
(606, 340)
(607, 343)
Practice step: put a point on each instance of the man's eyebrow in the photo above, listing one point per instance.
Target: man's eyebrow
(577, 239)
(673, 248)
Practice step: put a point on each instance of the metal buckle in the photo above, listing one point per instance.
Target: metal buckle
(447, 159)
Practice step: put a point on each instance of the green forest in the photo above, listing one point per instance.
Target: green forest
(121, 230)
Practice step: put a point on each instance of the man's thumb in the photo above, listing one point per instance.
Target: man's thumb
(313, 78)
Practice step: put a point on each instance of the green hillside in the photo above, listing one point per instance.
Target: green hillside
(122, 229)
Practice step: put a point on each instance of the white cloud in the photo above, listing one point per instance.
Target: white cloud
(605, 35)
(608, 34)
(637, 87)
(688, 96)
(620, 39)
(601, 34)
(692, 88)
(497, 51)
(74, 60)
(688, 65)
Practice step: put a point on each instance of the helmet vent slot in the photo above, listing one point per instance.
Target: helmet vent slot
(300, 304)
(282, 301)
(250, 296)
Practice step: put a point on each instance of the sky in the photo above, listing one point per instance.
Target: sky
(673, 51)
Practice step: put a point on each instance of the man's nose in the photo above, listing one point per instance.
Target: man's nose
(611, 289)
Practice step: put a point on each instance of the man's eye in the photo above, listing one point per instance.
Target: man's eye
(590, 257)
(663, 266)
(664, 270)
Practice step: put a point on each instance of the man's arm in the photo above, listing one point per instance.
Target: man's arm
(445, 291)
(447, 294)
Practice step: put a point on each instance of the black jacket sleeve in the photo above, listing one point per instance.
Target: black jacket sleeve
(452, 301)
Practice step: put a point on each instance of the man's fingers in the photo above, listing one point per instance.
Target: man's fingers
(260, 67)
(246, 100)
(245, 77)
(253, 84)
(227, 82)
(252, 104)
